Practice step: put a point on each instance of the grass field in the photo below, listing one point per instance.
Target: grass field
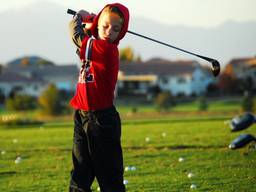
(153, 145)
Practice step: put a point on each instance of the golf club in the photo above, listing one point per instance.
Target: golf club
(241, 141)
(242, 122)
(215, 64)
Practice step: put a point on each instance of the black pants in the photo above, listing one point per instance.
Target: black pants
(97, 151)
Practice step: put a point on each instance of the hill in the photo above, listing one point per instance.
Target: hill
(29, 60)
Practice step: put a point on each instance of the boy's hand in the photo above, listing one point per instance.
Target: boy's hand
(86, 16)
(83, 14)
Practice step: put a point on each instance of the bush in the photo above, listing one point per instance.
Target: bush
(21, 122)
(53, 101)
(248, 103)
(202, 103)
(21, 103)
(164, 101)
(49, 101)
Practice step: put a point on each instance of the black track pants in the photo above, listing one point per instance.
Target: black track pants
(97, 151)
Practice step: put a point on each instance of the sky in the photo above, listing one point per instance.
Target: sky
(200, 13)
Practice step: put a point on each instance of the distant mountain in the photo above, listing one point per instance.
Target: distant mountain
(42, 29)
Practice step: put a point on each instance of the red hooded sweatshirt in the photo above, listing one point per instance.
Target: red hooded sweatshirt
(98, 92)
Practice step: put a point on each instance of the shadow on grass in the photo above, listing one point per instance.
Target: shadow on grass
(7, 173)
(174, 147)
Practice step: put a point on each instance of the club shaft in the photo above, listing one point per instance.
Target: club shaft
(171, 46)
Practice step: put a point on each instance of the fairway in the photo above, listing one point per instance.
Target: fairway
(168, 155)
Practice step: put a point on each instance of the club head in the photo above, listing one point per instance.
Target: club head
(241, 141)
(215, 67)
(242, 122)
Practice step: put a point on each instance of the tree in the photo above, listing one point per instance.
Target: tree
(164, 101)
(21, 103)
(126, 54)
(49, 101)
(24, 61)
(228, 83)
(248, 102)
(202, 103)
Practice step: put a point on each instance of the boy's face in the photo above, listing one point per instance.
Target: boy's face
(109, 26)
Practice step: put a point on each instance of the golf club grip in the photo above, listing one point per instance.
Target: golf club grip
(71, 12)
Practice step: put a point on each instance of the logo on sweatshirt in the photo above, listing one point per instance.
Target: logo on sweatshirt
(85, 77)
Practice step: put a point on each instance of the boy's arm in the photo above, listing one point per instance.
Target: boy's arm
(76, 28)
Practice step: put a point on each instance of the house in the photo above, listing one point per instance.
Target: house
(63, 76)
(177, 77)
(244, 68)
(11, 83)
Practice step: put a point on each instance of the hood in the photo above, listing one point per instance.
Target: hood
(124, 29)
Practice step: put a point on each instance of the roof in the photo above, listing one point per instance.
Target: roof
(59, 70)
(238, 62)
(159, 67)
(45, 70)
(9, 77)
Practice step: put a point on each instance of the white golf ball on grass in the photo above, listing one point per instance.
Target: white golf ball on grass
(17, 160)
(193, 186)
(147, 139)
(125, 182)
(190, 175)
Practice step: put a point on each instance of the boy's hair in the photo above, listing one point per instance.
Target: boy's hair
(113, 9)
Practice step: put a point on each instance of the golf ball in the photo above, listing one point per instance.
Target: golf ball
(130, 168)
(181, 159)
(231, 146)
(147, 139)
(17, 160)
(192, 186)
(190, 175)
(125, 182)
(127, 168)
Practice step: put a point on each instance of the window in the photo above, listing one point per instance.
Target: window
(164, 80)
(181, 80)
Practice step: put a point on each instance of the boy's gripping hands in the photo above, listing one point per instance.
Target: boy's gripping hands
(87, 18)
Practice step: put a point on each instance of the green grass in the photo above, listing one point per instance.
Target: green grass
(202, 142)
(214, 105)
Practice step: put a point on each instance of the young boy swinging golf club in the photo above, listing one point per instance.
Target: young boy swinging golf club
(97, 151)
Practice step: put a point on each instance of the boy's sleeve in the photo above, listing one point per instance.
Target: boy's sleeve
(76, 30)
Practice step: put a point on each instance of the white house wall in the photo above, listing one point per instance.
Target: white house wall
(175, 87)
(196, 83)
(32, 89)
(200, 82)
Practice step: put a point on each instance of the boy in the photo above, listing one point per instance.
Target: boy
(97, 148)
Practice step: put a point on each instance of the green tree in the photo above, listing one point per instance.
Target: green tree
(164, 101)
(202, 103)
(21, 103)
(126, 54)
(248, 103)
(49, 101)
